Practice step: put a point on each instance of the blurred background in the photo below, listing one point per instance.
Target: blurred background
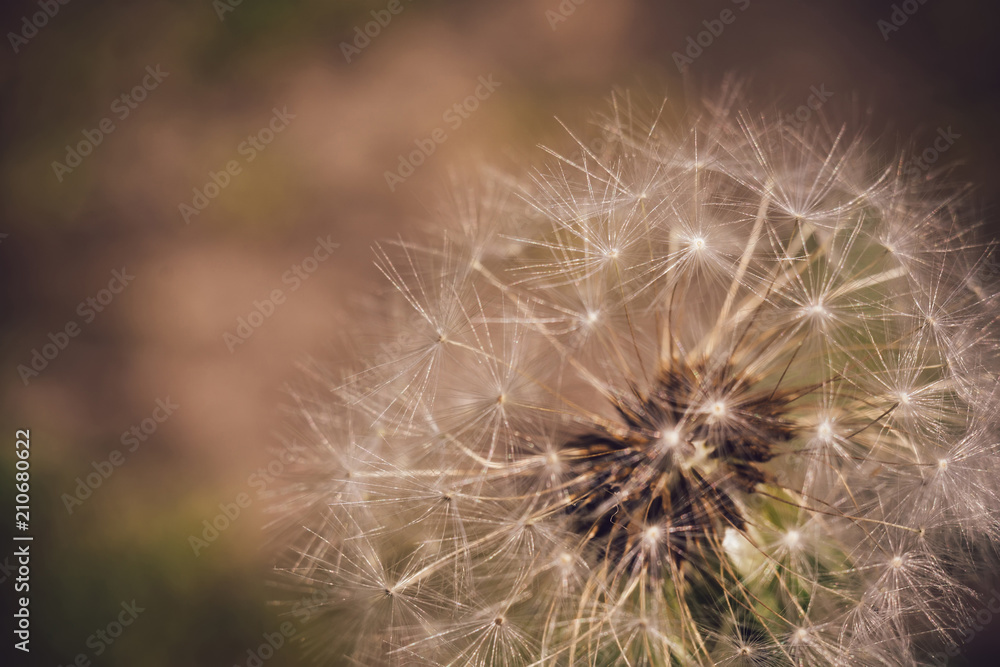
(204, 150)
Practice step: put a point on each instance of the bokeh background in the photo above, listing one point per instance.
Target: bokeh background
(228, 66)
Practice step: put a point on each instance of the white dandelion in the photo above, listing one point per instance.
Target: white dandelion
(718, 394)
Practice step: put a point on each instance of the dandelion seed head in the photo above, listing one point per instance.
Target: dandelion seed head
(716, 394)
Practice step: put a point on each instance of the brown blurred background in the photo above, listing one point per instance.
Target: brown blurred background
(228, 66)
